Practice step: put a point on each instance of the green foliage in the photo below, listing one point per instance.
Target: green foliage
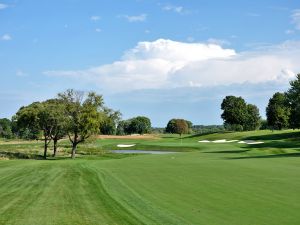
(109, 122)
(26, 121)
(178, 126)
(264, 125)
(123, 127)
(238, 115)
(82, 115)
(207, 129)
(6, 128)
(46, 116)
(278, 113)
(252, 119)
(136, 125)
(293, 99)
(234, 110)
(139, 125)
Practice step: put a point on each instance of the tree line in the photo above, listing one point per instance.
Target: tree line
(75, 115)
(78, 115)
(283, 111)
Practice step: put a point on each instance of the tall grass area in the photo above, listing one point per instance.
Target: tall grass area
(205, 183)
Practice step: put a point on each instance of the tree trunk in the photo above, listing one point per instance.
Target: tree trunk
(54, 146)
(45, 148)
(74, 146)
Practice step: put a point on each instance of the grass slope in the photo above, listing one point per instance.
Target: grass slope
(211, 184)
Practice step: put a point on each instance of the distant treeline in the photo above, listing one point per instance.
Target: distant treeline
(78, 115)
(283, 111)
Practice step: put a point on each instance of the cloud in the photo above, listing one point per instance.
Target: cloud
(3, 6)
(216, 41)
(296, 18)
(98, 30)
(165, 64)
(179, 9)
(95, 18)
(6, 37)
(289, 31)
(21, 73)
(137, 18)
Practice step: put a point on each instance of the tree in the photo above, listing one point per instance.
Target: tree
(253, 118)
(277, 111)
(177, 126)
(139, 125)
(123, 127)
(25, 122)
(181, 127)
(171, 126)
(83, 117)
(37, 116)
(110, 121)
(57, 108)
(238, 115)
(293, 101)
(6, 128)
(234, 111)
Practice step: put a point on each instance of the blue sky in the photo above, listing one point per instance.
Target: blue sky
(162, 59)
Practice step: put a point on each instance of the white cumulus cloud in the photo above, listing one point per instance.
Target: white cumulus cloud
(135, 18)
(164, 64)
(6, 37)
(95, 18)
(3, 6)
(296, 18)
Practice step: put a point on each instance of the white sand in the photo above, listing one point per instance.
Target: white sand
(232, 141)
(218, 141)
(125, 146)
(204, 141)
(224, 141)
(250, 142)
(256, 143)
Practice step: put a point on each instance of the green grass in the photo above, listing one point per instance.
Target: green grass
(204, 184)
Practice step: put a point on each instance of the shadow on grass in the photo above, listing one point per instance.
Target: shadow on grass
(20, 155)
(276, 136)
(294, 154)
(276, 145)
(229, 151)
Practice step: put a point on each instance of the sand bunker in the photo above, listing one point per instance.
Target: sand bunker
(218, 141)
(125, 146)
(250, 142)
(224, 141)
(204, 141)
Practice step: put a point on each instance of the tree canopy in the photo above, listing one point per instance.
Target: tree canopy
(238, 115)
(293, 101)
(82, 115)
(136, 125)
(178, 126)
(6, 128)
(277, 111)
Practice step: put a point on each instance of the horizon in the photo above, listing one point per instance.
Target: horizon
(160, 59)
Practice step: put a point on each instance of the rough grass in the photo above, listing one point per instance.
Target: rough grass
(210, 184)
